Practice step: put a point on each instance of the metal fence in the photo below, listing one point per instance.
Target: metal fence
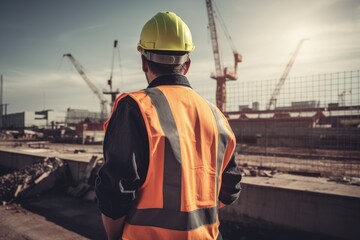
(340, 88)
(314, 128)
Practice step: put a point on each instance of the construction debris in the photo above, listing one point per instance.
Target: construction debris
(37, 144)
(253, 171)
(79, 151)
(85, 189)
(257, 171)
(23, 182)
(345, 180)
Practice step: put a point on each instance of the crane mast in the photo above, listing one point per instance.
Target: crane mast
(111, 92)
(214, 39)
(96, 91)
(276, 92)
(221, 74)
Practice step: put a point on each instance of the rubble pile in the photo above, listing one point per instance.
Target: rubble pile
(345, 180)
(12, 185)
(253, 171)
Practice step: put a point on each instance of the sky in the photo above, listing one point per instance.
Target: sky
(35, 34)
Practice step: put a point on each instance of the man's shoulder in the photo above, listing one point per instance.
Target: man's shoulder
(129, 97)
(125, 102)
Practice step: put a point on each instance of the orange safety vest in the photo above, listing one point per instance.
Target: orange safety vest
(190, 144)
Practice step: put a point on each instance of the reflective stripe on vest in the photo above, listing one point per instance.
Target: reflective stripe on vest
(172, 163)
(222, 140)
(170, 215)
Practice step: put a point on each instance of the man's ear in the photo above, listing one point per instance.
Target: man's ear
(145, 65)
(187, 66)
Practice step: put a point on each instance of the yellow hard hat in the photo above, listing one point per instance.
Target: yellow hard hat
(166, 32)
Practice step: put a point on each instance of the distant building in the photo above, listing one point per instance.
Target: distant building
(75, 116)
(90, 133)
(305, 104)
(243, 107)
(255, 106)
(28, 119)
(301, 105)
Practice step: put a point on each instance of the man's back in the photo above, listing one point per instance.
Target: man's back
(188, 138)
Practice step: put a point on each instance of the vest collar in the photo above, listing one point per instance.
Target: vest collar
(170, 79)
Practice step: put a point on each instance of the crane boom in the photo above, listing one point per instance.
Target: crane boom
(96, 91)
(221, 74)
(276, 92)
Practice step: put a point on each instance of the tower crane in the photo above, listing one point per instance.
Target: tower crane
(276, 92)
(111, 92)
(96, 91)
(222, 74)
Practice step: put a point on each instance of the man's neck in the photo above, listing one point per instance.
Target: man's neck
(150, 77)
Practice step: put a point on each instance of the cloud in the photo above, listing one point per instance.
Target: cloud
(66, 36)
(25, 90)
(340, 11)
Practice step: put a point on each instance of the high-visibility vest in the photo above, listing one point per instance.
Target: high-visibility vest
(190, 144)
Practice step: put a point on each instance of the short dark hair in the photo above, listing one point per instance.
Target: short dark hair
(158, 68)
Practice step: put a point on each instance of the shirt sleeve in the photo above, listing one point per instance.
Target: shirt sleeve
(230, 185)
(126, 158)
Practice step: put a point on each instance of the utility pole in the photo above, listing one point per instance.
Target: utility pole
(5, 120)
(1, 102)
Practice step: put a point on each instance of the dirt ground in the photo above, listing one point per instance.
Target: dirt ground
(63, 217)
(17, 223)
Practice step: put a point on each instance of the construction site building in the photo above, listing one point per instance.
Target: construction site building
(29, 119)
(75, 116)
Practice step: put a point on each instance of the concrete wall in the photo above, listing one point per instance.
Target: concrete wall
(17, 160)
(332, 215)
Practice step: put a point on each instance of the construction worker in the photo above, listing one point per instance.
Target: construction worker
(169, 163)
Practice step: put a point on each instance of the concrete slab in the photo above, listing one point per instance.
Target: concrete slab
(294, 202)
(302, 183)
(42, 153)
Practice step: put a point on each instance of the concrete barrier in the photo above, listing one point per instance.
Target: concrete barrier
(317, 212)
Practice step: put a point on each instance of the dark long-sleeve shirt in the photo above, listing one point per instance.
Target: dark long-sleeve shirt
(126, 153)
